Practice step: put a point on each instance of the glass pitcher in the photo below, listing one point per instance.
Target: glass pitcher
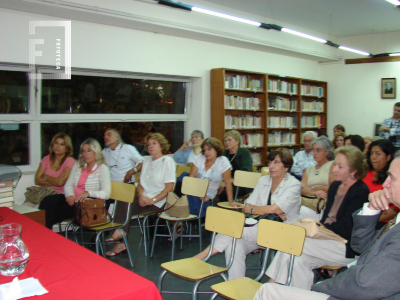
(14, 255)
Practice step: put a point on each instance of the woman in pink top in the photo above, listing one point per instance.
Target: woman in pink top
(54, 168)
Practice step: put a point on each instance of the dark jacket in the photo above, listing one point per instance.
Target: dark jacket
(354, 199)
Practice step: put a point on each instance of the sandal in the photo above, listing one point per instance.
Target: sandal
(115, 253)
(112, 240)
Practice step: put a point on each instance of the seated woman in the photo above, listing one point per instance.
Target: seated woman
(345, 195)
(317, 179)
(277, 193)
(379, 157)
(55, 168)
(190, 150)
(355, 140)
(89, 177)
(239, 158)
(215, 168)
(157, 178)
(338, 140)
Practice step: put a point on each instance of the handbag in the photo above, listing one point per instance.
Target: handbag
(272, 217)
(90, 213)
(177, 207)
(314, 203)
(316, 230)
(35, 194)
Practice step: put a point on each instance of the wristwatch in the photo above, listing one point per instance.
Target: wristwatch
(154, 199)
(251, 211)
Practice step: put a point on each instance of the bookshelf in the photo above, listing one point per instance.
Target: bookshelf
(270, 111)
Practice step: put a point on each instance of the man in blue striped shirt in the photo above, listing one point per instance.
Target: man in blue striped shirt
(390, 128)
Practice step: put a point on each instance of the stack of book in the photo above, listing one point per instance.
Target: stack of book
(6, 193)
(236, 102)
(279, 86)
(280, 103)
(242, 122)
(309, 90)
(312, 106)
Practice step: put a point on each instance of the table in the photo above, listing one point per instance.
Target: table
(69, 271)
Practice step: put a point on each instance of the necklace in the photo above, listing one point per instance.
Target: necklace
(317, 170)
(116, 160)
(234, 156)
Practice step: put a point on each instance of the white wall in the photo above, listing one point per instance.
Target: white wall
(105, 47)
(354, 91)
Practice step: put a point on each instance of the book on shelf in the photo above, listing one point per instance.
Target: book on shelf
(312, 106)
(251, 140)
(280, 103)
(280, 86)
(243, 82)
(242, 122)
(310, 90)
(236, 102)
(256, 158)
(281, 138)
(282, 122)
(312, 121)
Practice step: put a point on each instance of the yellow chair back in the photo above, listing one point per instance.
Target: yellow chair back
(246, 179)
(225, 221)
(181, 169)
(194, 186)
(124, 192)
(281, 236)
(264, 171)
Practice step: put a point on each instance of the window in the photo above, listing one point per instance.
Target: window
(33, 111)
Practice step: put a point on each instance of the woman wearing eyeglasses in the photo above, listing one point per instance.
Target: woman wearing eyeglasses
(215, 168)
(90, 177)
(239, 158)
(277, 193)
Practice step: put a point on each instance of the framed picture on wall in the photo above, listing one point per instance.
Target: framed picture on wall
(388, 88)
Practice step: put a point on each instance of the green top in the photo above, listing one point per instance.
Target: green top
(241, 160)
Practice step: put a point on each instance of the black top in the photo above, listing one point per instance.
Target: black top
(354, 199)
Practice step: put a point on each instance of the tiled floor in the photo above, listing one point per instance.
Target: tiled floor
(150, 267)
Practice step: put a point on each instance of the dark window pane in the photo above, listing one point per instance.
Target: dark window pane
(14, 92)
(14, 144)
(132, 133)
(104, 95)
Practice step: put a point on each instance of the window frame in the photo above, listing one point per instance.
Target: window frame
(35, 118)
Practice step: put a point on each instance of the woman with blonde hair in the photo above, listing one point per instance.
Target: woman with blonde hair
(338, 140)
(157, 178)
(89, 178)
(239, 158)
(346, 194)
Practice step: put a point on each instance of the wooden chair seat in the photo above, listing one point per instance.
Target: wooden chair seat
(169, 218)
(243, 288)
(192, 269)
(227, 206)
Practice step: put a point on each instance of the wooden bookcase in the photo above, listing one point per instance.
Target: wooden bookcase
(287, 107)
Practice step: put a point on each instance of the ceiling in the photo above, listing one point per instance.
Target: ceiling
(335, 18)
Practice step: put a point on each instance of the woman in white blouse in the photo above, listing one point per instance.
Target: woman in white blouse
(90, 177)
(157, 178)
(215, 168)
(277, 193)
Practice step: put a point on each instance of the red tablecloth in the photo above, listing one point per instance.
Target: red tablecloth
(69, 271)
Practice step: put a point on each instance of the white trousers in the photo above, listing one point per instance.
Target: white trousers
(272, 291)
(244, 246)
(316, 253)
(306, 212)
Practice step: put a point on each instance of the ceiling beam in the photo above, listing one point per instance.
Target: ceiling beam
(371, 60)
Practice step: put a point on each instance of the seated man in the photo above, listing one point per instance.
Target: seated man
(375, 274)
(304, 159)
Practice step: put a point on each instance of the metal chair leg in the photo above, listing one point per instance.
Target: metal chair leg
(140, 225)
(145, 221)
(214, 296)
(127, 246)
(200, 238)
(160, 279)
(154, 238)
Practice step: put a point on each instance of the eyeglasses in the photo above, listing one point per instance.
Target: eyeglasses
(228, 140)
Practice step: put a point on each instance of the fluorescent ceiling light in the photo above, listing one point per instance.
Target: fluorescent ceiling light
(354, 50)
(213, 13)
(394, 54)
(395, 2)
(307, 36)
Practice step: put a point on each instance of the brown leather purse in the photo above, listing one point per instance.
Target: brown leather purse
(90, 213)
